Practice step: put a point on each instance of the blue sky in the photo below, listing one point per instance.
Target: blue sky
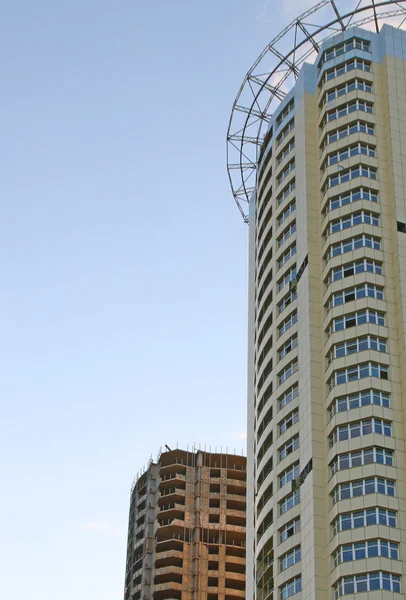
(123, 263)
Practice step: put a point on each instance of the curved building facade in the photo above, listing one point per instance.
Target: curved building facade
(326, 514)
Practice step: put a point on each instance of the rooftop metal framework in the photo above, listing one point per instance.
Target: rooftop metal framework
(274, 72)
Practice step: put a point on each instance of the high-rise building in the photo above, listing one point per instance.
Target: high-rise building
(186, 532)
(326, 470)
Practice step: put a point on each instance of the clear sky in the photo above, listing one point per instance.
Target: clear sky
(123, 267)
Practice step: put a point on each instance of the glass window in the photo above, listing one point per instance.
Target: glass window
(289, 502)
(365, 427)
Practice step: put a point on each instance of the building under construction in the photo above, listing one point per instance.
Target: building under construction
(186, 533)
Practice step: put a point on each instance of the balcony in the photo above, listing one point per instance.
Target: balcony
(234, 592)
(173, 466)
(233, 512)
(172, 477)
(172, 492)
(168, 555)
(236, 544)
(237, 560)
(212, 590)
(136, 588)
(169, 585)
(141, 499)
(171, 523)
(238, 577)
(214, 479)
(141, 513)
(140, 528)
(172, 507)
(237, 482)
(235, 528)
(237, 490)
(170, 570)
(236, 497)
(169, 543)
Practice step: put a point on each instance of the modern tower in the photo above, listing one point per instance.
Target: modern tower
(317, 163)
(186, 532)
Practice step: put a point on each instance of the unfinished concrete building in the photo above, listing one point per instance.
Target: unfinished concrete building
(186, 533)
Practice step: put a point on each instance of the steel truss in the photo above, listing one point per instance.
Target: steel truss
(274, 73)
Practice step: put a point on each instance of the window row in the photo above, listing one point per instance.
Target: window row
(289, 529)
(264, 246)
(264, 249)
(364, 518)
(268, 467)
(367, 342)
(347, 109)
(348, 175)
(287, 277)
(357, 429)
(290, 588)
(286, 301)
(350, 197)
(289, 447)
(287, 347)
(288, 421)
(339, 50)
(363, 487)
(364, 265)
(285, 151)
(288, 109)
(267, 370)
(288, 371)
(267, 303)
(345, 130)
(265, 327)
(360, 241)
(265, 422)
(366, 290)
(264, 198)
(357, 372)
(367, 582)
(286, 255)
(285, 131)
(268, 493)
(359, 458)
(263, 398)
(288, 396)
(285, 172)
(264, 354)
(367, 549)
(265, 213)
(286, 212)
(290, 558)
(287, 323)
(346, 88)
(289, 474)
(356, 318)
(286, 191)
(346, 67)
(289, 502)
(354, 150)
(266, 148)
(356, 218)
(267, 443)
(263, 268)
(264, 288)
(359, 399)
(263, 182)
(290, 230)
